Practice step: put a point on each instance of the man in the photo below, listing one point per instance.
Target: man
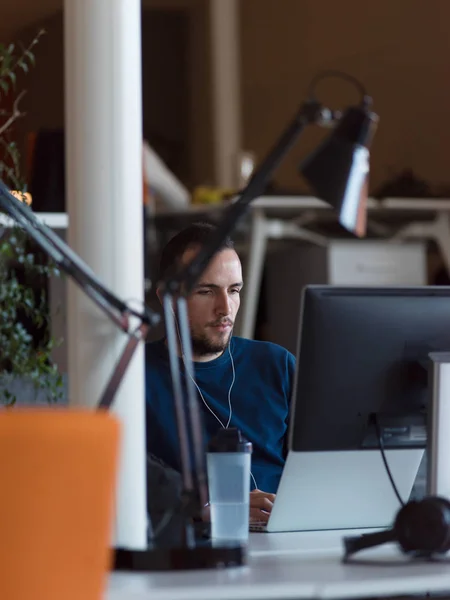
(241, 383)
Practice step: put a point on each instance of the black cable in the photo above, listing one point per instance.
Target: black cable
(340, 75)
(383, 456)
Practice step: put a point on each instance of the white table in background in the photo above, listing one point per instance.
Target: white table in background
(291, 566)
(287, 217)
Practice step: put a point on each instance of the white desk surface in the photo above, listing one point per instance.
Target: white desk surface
(288, 566)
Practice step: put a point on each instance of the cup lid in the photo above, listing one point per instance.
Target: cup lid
(229, 440)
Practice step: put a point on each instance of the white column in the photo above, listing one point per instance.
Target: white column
(104, 198)
(226, 109)
(254, 269)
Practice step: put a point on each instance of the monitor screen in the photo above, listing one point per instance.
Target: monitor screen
(364, 352)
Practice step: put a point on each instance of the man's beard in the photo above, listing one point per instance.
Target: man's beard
(203, 346)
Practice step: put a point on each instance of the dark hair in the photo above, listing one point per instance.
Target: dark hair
(196, 234)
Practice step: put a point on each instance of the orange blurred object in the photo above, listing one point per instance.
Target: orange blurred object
(58, 471)
(22, 196)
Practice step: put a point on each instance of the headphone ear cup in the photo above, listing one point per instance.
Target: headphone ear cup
(423, 527)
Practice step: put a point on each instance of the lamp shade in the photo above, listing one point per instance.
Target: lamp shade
(338, 170)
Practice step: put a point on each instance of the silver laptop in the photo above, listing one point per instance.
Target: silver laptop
(341, 490)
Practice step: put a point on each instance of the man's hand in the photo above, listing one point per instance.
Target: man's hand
(260, 505)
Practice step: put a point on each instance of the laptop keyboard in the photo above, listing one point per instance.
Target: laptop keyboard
(258, 526)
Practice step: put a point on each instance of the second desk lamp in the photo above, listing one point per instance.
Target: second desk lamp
(338, 173)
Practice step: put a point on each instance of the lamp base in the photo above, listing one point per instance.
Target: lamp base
(207, 555)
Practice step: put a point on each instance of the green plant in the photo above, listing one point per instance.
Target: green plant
(25, 340)
(23, 309)
(12, 62)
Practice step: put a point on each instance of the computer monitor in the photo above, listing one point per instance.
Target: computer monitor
(364, 351)
(361, 352)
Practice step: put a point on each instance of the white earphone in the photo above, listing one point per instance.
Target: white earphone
(200, 391)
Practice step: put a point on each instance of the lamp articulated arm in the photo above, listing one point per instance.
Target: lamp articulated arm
(72, 265)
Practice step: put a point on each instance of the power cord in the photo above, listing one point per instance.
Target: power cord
(374, 419)
(340, 75)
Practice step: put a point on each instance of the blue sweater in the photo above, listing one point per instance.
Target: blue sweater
(260, 401)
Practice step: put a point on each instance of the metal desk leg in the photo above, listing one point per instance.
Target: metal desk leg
(253, 273)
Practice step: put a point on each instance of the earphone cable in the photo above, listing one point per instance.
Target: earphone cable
(229, 394)
(231, 386)
(229, 404)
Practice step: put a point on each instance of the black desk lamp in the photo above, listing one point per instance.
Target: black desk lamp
(338, 172)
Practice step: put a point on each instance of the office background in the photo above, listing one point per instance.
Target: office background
(399, 50)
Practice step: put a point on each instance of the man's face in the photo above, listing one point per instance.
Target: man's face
(214, 303)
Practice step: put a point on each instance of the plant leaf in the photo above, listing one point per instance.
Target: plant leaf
(30, 57)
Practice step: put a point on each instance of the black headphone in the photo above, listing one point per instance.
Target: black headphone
(421, 529)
